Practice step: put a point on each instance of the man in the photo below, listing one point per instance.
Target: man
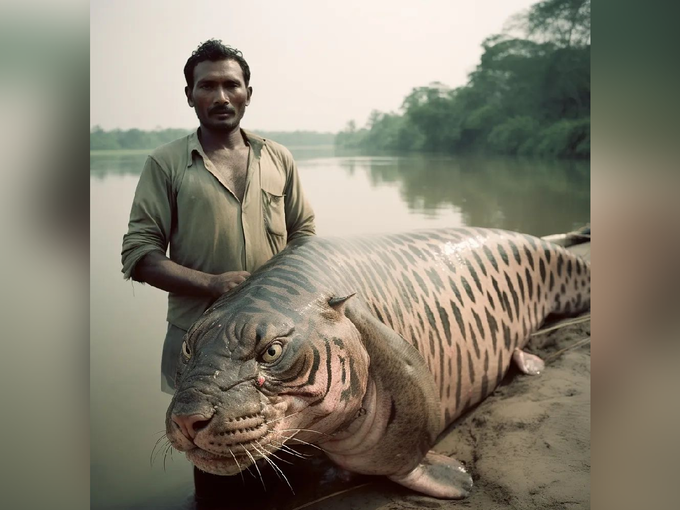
(223, 200)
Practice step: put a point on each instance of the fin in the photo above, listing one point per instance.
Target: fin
(416, 419)
(529, 364)
(438, 476)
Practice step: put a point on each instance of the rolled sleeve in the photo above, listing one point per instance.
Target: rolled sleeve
(150, 217)
(299, 213)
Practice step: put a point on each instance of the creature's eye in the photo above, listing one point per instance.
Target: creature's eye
(185, 350)
(272, 353)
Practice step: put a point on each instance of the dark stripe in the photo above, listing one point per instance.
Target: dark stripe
(541, 266)
(471, 368)
(473, 336)
(498, 292)
(473, 273)
(547, 253)
(455, 290)
(530, 283)
(503, 254)
(431, 344)
(315, 366)
(459, 319)
(408, 257)
(479, 262)
(445, 321)
(468, 289)
(434, 278)
(506, 337)
(529, 257)
(560, 262)
(530, 240)
(551, 285)
(421, 283)
(441, 370)
(569, 268)
(520, 282)
(508, 308)
(417, 252)
(515, 252)
(343, 374)
(480, 327)
(328, 368)
(489, 255)
(513, 293)
(459, 363)
(493, 327)
(411, 290)
(490, 299)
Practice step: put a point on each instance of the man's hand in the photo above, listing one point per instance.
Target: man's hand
(161, 272)
(221, 283)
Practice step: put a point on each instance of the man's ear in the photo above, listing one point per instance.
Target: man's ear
(190, 99)
(250, 94)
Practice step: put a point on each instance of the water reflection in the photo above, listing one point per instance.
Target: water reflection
(533, 196)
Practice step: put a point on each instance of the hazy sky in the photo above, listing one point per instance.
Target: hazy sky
(315, 65)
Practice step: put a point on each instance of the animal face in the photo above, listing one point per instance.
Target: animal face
(248, 371)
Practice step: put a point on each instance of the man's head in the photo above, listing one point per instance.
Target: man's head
(218, 88)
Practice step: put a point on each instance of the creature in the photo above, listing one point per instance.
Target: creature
(368, 347)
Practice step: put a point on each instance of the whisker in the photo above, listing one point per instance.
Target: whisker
(159, 450)
(272, 454)
(165, 455)
(153, 450)
(287, 449)
(305, 430)
(276, 468)
(256, 467)
(282, 417)
(240, 469)
(264, 456)
(291, 438)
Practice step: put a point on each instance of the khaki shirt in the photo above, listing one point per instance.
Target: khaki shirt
(180, 202)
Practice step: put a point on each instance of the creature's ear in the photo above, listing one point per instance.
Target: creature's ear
(338, 303)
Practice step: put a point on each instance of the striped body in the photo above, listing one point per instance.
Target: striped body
(465, 298)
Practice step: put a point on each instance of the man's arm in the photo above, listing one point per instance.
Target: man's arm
(299, 213)
(146, 242)
(158, 270)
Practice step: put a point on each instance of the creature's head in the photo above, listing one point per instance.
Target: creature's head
(256, 374)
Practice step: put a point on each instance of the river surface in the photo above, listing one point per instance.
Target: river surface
(350, 194)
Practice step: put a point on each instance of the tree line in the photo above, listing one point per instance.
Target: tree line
(137, 139)
(528, 96)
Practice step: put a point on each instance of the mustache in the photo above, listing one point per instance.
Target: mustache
(222, 109)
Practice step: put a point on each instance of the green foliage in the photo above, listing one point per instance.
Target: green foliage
(508, 137)
(529, 95)
(565, 138)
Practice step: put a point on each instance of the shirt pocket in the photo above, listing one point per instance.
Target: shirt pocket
(273, 211)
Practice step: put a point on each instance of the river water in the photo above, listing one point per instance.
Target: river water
(350, 194)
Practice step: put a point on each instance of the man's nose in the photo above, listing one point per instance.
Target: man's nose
(222, 96)
(190, 424)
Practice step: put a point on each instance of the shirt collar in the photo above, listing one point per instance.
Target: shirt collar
(194, 144)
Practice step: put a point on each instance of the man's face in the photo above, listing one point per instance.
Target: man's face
(219, 95)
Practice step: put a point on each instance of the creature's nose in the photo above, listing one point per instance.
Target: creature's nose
(190, 424)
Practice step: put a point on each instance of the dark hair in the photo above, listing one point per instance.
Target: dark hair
(214, 50)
